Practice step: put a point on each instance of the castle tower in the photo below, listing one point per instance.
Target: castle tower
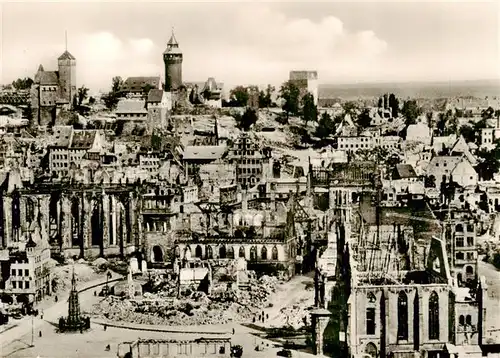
(67, 76)
(172, 58)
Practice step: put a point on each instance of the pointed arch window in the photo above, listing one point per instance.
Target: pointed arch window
(198, 252)
(210, 254)
(253, 253)
(263, 253)
(370, 314)
(275, 253)
(402, 316)
(242, 252)
(230, 252)
(434, 316)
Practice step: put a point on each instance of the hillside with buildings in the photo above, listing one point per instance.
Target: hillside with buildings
(356, 223)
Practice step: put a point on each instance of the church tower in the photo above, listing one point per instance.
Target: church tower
(67, 76)
(172, 57)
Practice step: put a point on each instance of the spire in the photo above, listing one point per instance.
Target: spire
(73, 280)
(66, 40)
(173, 41)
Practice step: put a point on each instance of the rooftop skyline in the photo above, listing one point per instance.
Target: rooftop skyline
(256, 43)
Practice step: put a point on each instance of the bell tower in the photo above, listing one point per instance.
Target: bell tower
(172, 58)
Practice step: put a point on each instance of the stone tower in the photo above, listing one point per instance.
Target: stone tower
(172, 57)
(67, 77)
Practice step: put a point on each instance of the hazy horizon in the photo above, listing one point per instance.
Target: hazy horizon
(257, 43)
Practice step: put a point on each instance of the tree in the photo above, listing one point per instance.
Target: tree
(116, 84)
(290, 93)
(429, 116)
(82, 94)
(380, 102)
(394, 105)
(22, 83)
(309, 109)
(386, 102)
(364, 119)
(411, 111)
(239, 96)
(487, 113)
(245, 121)
(325, 127)
(489, 162)
(351, 108)
(265, 100)
(112, 98)
(468, 133)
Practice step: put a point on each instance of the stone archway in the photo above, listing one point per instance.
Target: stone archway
(157, 254)
(371, 350)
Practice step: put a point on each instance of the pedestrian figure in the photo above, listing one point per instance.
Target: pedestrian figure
(56, 298)
(95, 293)
(39, 333)
(233, 330)
(267, 316)
(41, 316)
(105, 327)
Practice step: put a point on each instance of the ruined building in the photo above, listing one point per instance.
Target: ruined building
(386, 297)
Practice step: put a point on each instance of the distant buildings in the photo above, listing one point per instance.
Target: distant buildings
(306, 81)
(136, 85)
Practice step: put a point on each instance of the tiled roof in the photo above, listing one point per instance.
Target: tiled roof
(155, 95)
(66, 56)
(62, 135)
(204, 152)
(403, 171)
(48, 78)
(131, 106)
(137, 83)
(83, 139)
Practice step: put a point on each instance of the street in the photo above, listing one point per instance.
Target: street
(51, 314)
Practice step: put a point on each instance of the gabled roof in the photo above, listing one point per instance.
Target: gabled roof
(403, 171)
(66, 56)
(204, 152)
(83, 139)
(155, 95)
(49, 78)
(137, 83)
(462, 147)
(134, 106)
(62, 135)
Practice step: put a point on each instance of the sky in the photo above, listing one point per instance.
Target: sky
(256, 42)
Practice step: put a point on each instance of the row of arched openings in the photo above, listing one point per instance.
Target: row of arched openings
(229, 252)
(402, 309)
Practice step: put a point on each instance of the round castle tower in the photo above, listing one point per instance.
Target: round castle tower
(172, 57)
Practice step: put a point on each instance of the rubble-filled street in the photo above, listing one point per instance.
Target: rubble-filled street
(196, 308)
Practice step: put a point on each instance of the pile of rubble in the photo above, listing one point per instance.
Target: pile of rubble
(162, 308)
(83, 273)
